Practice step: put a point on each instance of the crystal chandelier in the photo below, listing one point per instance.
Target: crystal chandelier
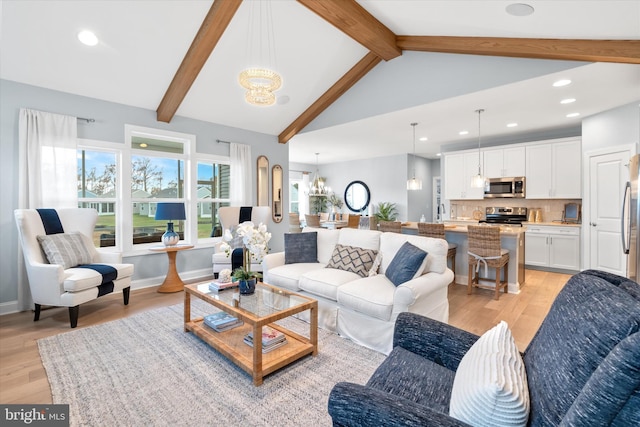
(317, 185)
(259, 81)
(414, 183)
(479, 181)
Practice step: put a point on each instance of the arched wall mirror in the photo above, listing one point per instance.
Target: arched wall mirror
(357, 196)
(262, 188)
(276, 180)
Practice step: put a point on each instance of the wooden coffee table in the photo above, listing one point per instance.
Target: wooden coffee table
(267, 305)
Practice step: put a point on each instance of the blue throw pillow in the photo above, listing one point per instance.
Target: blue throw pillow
(406, 264)
(300, 247)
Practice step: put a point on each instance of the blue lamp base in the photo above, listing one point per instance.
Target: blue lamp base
(170, 237)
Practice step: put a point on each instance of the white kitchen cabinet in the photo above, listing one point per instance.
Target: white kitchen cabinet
(554, 170)
(504, 162)
(458, 170)
(553, 246)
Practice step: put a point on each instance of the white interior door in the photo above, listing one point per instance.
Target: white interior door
(608, 173)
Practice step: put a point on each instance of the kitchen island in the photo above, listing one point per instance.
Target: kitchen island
(511, 238)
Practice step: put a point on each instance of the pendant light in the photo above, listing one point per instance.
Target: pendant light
(316, 186)
(414, 183)
(259, 79)
(479, 181)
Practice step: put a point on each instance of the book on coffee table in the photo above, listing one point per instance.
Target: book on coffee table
(222, 321)
(266, 348)
(219, 286)
(269, 336)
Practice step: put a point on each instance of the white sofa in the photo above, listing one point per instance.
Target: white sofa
(229, 218)
(365, 309)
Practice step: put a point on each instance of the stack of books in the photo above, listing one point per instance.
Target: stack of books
(271, 339)
(222, 321)
(219, 286)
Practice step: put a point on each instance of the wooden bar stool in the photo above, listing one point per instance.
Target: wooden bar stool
(437, 231)
(312, 220)
(484, 248)
(392, 226)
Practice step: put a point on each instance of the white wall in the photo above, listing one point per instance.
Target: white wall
(618, 126)
(110, 119)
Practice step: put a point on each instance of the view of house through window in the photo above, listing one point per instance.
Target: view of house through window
(213, 193)
(97, 177)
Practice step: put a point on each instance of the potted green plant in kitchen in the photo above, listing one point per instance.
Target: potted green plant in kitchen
(255, 244)
(386, 211)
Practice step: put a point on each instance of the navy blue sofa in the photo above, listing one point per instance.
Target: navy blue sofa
(583, 364)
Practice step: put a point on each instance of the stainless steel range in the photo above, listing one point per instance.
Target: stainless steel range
(505, 215)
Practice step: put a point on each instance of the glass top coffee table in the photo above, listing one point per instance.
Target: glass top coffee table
(264, 307)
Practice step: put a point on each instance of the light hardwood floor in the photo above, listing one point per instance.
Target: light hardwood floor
(23, 378)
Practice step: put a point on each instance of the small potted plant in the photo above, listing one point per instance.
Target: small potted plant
(386, 211)
(336, 202)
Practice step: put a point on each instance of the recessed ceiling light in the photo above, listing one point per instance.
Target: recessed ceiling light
(561, 83)
(573, 115)
(512, 125)
(519, 9)
(568, 101)
(143, 145)
(438, 154)
(88, 38)
(463, 132)
(424, 138)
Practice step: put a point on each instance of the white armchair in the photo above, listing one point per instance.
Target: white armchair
(69, 286)
(229, 218)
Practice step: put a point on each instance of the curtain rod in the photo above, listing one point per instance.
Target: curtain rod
(219, 141)
(86, 119)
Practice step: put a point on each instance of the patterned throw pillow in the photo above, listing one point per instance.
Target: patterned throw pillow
(300, 247)
(65, 249)
(407, 264)
(490, 386)
(352, 258)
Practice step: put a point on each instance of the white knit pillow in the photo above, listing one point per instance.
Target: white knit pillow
(490, 386)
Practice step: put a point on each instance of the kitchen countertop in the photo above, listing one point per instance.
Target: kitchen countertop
(457, 228)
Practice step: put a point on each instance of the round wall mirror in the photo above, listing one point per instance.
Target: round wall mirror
(357, 196)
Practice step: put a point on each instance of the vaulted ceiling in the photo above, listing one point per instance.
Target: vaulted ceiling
(183, 58)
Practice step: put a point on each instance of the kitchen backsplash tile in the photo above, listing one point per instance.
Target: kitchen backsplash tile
(551, 208)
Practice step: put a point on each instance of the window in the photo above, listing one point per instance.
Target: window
(212, 193)
(157, 174)
(125, 182)
(97, 179)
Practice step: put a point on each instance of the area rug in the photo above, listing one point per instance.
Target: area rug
(145, 370)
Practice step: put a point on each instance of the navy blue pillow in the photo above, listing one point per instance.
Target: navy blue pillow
(405, 264)
(300, 247)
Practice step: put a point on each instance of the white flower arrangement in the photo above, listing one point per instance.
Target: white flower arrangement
(255, 240)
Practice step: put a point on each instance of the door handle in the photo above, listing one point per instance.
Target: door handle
(593, 224)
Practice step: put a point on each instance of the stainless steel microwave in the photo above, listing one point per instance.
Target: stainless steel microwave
(505, 187)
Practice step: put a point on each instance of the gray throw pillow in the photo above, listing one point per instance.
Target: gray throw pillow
(406, 264)
(65, 249)
(300, 247)
(352, 258)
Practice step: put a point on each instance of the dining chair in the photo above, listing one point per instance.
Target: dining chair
(353, 221)
(437, 231)
(312, 220)
(484, 248)
(294, 222)
(392, 226)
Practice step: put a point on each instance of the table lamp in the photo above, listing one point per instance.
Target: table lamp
(170, 211)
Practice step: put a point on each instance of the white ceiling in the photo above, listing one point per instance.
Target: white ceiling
(143, 42)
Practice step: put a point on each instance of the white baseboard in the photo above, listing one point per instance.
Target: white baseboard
(10, 307)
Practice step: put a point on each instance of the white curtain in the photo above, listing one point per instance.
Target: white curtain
(47, 161)
(241, 174)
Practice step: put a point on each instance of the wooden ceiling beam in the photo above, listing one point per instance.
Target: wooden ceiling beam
(353, 20)
(624, 51)
(358, 71)
(210, 32)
